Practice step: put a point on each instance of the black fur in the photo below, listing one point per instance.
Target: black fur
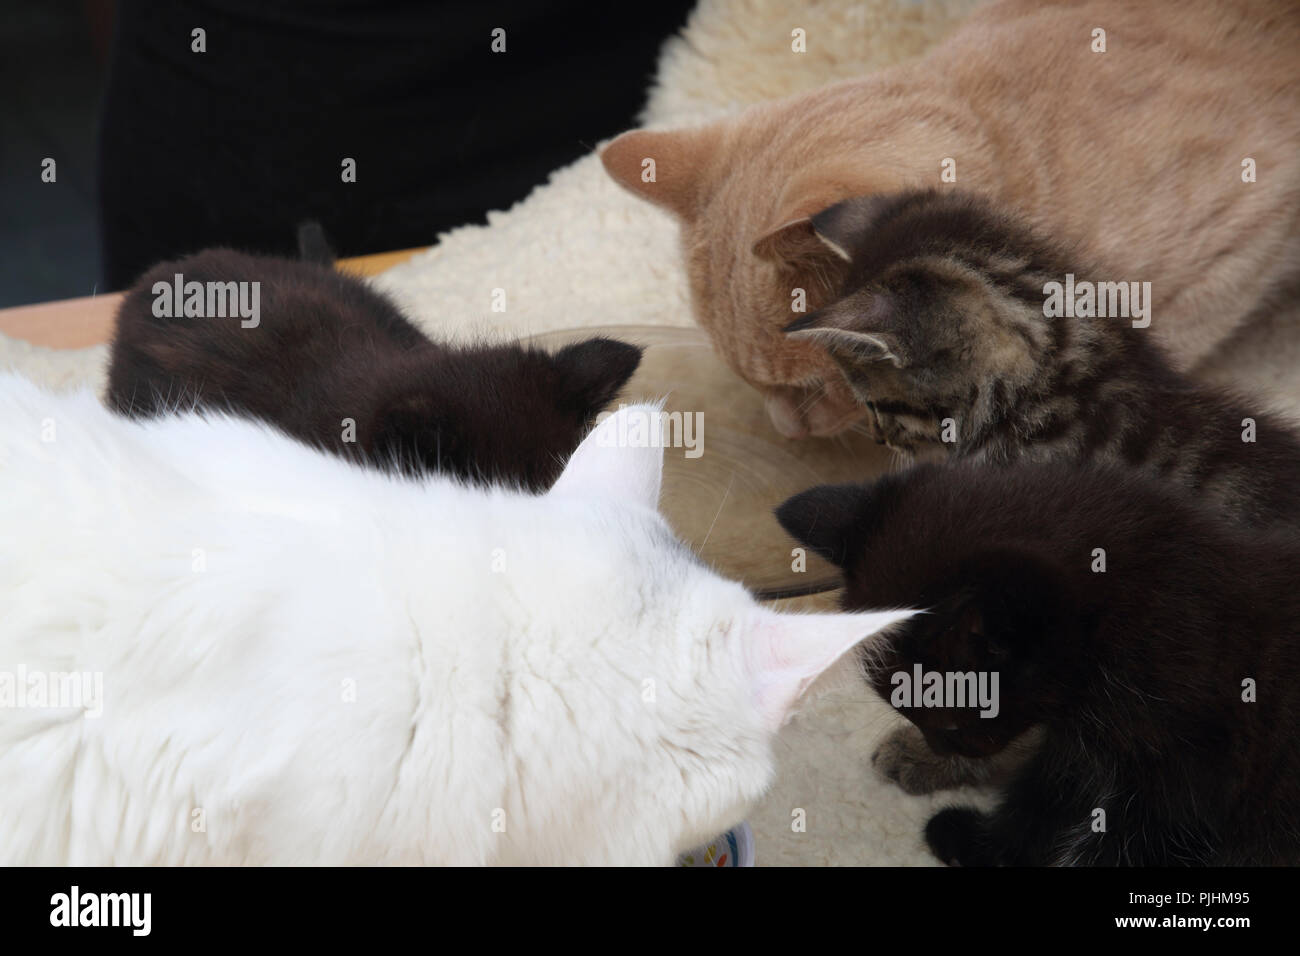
(1134, 675)
(329, 348)
(312, 244)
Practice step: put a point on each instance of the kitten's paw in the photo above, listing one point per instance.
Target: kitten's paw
(905, 758)
(956, 837)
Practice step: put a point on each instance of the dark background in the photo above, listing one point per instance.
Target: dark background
(162, 151)
(51, 76)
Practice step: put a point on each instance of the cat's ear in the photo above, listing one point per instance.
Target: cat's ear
(793, 234)
(785, 653)
(842, 226)
(592, 372)
(621, 458)
(825, 519)
(857, 328)
(666, 167)
(790, 238)
(792, 242)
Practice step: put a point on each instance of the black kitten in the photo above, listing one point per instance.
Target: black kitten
(334, 363)
(941, 329)
(1154, 643)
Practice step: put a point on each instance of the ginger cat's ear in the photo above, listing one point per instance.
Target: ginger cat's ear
(792, 234)
(792, 241)
(666, 168)
(795, 248)
(841, 227)
(820, 215)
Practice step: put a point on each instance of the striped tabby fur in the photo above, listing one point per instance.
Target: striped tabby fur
(940, 330)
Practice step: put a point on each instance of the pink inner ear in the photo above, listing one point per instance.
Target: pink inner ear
(785, 653)
(780, 666)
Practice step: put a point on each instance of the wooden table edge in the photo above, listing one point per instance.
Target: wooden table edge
(80, 323)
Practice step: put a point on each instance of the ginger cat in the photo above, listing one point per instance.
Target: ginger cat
(1138, 147)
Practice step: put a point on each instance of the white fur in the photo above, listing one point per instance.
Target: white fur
(601, 697)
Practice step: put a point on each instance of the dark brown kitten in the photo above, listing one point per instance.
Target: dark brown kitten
(1165, 689)
(940, 330)
(334, 363)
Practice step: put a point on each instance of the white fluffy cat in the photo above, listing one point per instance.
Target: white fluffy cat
(306, 662)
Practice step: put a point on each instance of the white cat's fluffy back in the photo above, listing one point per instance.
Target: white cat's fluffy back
(305, 661)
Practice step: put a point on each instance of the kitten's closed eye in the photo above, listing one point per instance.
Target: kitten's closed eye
(924, 319)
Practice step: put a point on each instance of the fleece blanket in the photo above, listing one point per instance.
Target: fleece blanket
(579, 251)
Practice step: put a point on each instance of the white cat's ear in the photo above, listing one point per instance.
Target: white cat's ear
(622, 457)
(785, 653)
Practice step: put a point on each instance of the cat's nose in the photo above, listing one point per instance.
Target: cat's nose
(800, 412)
(830, 413)
(783, 409)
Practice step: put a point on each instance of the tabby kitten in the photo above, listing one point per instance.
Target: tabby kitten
(1138, 153)
(940, 329)
(336, 364)
(1166, 689)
